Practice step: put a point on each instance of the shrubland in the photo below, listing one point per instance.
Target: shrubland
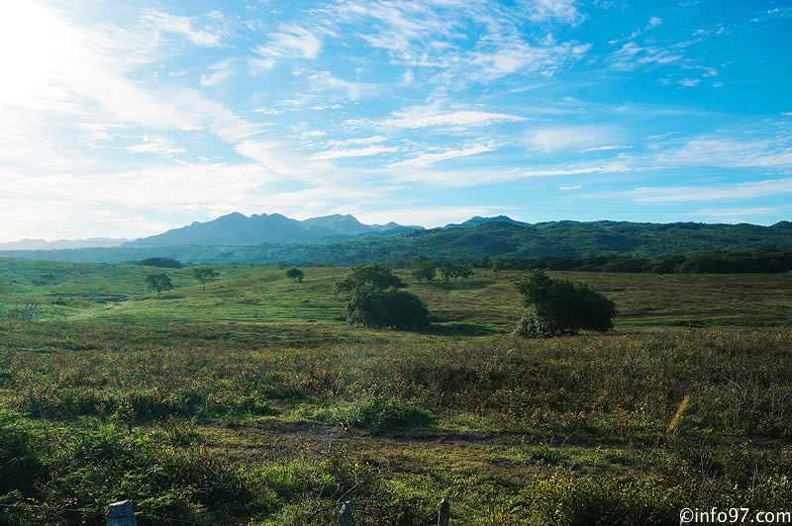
(256, 399)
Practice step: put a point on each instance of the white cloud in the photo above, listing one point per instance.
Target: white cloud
(478, 177)
(209, 36)
(431, 116)
(655, 21)
(563, 138)
(357, 141)
(607, 148)
(218, 73)
(513, 55)
(631, 56)
(326, 81)
(681, 194)
(568, 188)
(689, 83)
(156, 145)
(290, 42)
(265, 153)
(408, 77)
(355, 152)
(731, 214)
(563, 10)
(731, 153)
(426, 159)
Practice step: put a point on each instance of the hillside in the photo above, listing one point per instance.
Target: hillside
(477, 238)
(240, 230)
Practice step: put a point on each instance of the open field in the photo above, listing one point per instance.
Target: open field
(255, 399)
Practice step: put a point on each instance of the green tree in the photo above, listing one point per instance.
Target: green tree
(375, 299)
(424, 268)
(459, 269)
(205, 274)
(159, 282)
(295, 274)
(562, 307)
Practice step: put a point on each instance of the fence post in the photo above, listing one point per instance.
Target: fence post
(345, 515)
(445, 513)
(121, 514)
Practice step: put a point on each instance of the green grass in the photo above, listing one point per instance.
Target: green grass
(254, 398)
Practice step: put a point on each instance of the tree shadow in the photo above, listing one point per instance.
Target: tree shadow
(457, 329)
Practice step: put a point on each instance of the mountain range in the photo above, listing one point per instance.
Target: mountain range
(342, 240)
(237, 229)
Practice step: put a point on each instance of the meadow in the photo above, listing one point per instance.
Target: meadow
(253, 400)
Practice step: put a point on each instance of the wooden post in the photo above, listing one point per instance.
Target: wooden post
(345, 515)
(445, 513)
(121, 514)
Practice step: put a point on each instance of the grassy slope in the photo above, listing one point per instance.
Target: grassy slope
(260, 370)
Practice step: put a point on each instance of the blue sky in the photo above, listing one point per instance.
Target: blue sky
(123, 119)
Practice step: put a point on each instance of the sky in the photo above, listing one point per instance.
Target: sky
(124, 119)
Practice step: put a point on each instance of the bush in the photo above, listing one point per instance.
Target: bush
(396, 309)
(563, 307)
(375, 299)
(159, 262)
(378, 415)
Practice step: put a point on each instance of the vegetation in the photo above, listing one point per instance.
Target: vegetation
(424, 269)
(562, 307)
(159, 282)
(205, 274)
(568, 241)
(296, 274)
(261, 402)
(160, 262)
(375, 299)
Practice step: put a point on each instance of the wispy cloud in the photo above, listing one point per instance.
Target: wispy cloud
(480, 176)
(156, 145)
(631, 56)
(731, 214)
(513, 55)
(352, 152)
(564, 10)
(561, 138)
(326, 81)
(431, 116)
(724, 192)
(731, 153)
(209, 35)
(290, 42)
(427, 159)
(218, 73)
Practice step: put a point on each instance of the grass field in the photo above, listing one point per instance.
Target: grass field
(254, 399)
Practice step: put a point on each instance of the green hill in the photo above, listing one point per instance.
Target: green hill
(493, 238)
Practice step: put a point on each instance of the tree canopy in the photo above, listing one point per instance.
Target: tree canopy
(159, 282)
(375, 299)
(295, 274)
(205, 274)
(562, 307)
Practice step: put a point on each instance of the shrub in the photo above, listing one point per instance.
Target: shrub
(563, 307)
(378, 415)
(375, 299)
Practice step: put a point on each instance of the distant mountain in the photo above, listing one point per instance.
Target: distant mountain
(61, 244)
(342, 240)
(237, 229)
(478, 220)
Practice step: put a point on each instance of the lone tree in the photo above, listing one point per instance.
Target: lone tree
(562, 307)
(159, 282)
(295, 274)
(424, 268)
(205, 274)
(375, 299)
(460, 269)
